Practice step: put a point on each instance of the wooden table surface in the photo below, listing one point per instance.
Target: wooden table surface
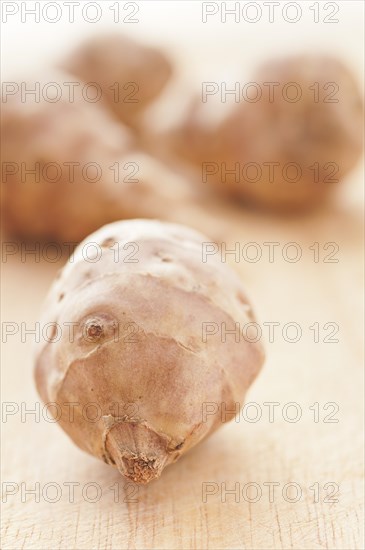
(192, 504)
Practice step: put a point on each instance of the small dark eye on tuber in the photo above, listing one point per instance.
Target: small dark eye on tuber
(94, 330)
(149, 392)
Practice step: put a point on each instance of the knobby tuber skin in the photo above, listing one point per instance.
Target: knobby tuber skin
(131, 75)
(167, 371)
(41, 205)
(326, 131)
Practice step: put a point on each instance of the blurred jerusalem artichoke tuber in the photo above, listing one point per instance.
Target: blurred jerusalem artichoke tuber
(69, 168)
(52, 157)
(130, 75)
(284, 148)
(138, 351)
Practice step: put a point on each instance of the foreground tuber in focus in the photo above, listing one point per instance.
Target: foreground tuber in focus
(143, 351)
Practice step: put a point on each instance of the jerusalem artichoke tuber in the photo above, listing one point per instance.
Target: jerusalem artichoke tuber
(150, 389)
(69, 168)
(287, 146)
(130, 75)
